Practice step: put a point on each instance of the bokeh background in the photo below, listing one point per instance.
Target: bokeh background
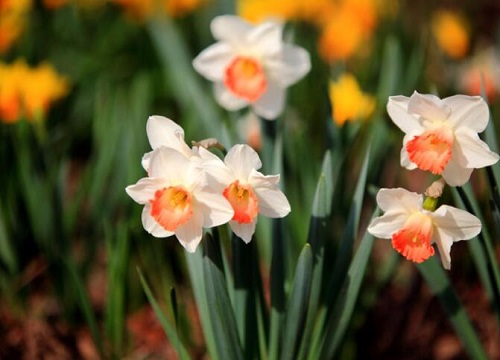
(78, 80)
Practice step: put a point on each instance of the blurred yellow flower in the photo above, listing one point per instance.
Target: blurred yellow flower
(13, 14)
(451, 33)
(350, 26)
(29, 91)
(348, 101)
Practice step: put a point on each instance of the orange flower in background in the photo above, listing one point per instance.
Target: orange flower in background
(350, 26)
(177, 8)
(13, 15)
(259, 10)
(43, 87)
(54, 4)
(483, 69)
(348, 101)
(28, 91)
(451, 33)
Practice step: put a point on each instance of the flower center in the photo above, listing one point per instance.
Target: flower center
(413, 241)
(244, 202)
(172, 207)
(245, 78)
(431, 150)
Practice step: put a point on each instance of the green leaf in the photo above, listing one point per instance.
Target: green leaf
(440, 286)
(296, 312)
(221, 312)
(7, 255)
(317, 233)
(170, 330)
(344, 306)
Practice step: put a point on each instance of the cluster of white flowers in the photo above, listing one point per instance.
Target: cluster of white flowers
(441, 136)
(188, 189)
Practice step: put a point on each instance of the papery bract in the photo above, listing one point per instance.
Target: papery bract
(413, 229)
(250, 192)
(250, 65)
(179, 198)
(441, 135)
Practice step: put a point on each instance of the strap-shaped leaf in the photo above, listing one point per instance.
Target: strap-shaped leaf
(297, 304)
(440, 286)
(170, 331)
(221, 312)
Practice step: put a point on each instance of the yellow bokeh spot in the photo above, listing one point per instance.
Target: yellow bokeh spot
(451, 33)
(348, 101)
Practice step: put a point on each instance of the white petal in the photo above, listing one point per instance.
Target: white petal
(243, 231)
(230, 28)
(219, 174)
(397, 108)
(399, 199)
(215, 208)
(288, 67)
(145, 160)
(429, 107)
(144, 190)
(190, 234)
(386, 225)
(470, 151)
(213, 61)
(266, 38)
(456, 223)
(242, 159)
(272, 202)
(455, 175)
(468, 111)
(228, 100)
(404, 158)
(271, 104)
(444, 242)
(164, 132)
(151, 226)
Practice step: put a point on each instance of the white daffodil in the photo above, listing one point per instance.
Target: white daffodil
(251, 65)
(164, 132)
(413, 229)
(442, 135)
(249, 192)
(178, 198)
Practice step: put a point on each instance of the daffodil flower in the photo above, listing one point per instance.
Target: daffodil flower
(441, 135)
(250, 65)
(178, 198)
(164, 132)
(413, 229)
(249, 192)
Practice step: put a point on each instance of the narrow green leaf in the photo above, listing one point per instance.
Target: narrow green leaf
(350, 233)
(7, 255)
(440, 286)
(321, 210)
(487, 264)
(390, 73)
(84, 303)
(344, 306)
(195, 265)
(221, 311)
(246, 293)
(296, 312)
(170, 330)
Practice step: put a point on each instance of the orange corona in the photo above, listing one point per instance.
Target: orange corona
(172, 207)
(244, 202)
(413, 241)
(245, 78)
(431, 150)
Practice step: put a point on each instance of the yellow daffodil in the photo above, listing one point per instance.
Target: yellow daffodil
(348, 101)
(13, 14)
